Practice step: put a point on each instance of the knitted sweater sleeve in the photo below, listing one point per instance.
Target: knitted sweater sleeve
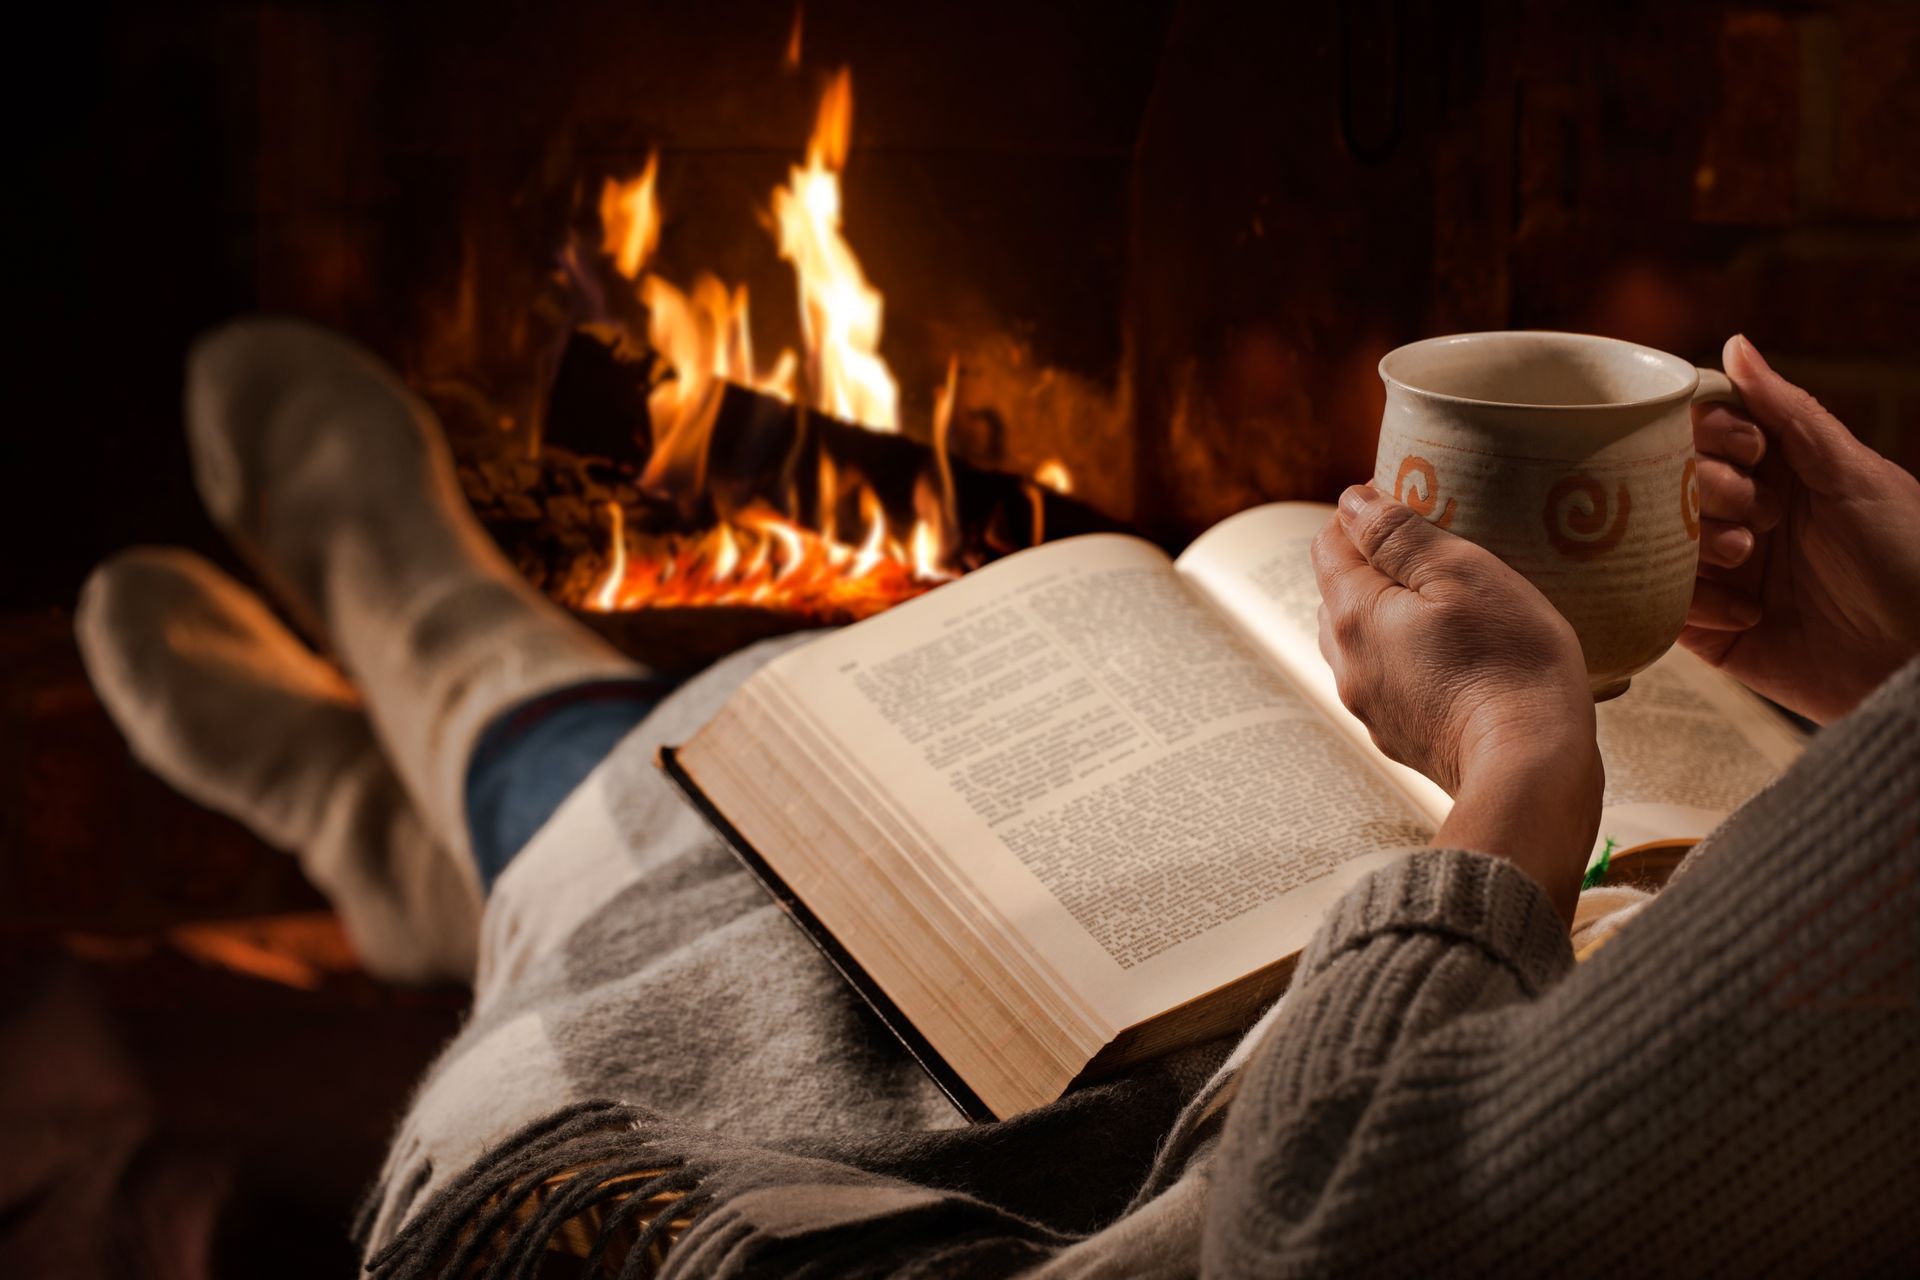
(1731, 1084)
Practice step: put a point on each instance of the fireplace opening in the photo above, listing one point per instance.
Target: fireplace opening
(790, 483)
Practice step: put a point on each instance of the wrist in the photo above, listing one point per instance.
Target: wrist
(1538, 809)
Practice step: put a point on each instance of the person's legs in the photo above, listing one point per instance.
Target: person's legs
(623, 953)
(336, 483)
(218, 698)
(224, 703)
(533, 756)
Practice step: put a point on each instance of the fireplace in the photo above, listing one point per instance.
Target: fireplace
(1159, 259)
(1161, 247)
(725, 341)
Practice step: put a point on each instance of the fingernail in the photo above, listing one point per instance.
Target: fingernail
(1744, 612)
(1746, 344)
(1727, 548)
(1355, 499)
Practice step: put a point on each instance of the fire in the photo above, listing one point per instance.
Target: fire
(704, 340)
(927, 542)
(630, 219)
(606, 598)
(873, 549)
(839, 311)
(707, 340)
(942, 429)
(761, 558)
(1053, 474)
(792, 58)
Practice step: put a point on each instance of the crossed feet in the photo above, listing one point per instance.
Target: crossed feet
(335, 484)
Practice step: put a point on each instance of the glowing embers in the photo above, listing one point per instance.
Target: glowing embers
(761, 558)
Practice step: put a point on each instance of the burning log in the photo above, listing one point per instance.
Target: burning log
(766, 450)
(597, 405)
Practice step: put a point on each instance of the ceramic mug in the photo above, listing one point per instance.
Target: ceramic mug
(1571, 458)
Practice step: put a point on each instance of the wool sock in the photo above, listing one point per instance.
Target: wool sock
(224, 703)
(336, 483)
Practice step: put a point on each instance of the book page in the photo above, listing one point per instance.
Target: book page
(1256, 568)
(1102, 768)
(1683, 747)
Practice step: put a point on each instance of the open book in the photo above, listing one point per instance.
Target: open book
(1085, 805)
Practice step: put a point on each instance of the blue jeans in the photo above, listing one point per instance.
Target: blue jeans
(532, 756)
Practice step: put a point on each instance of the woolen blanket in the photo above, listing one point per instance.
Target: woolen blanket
(1728, 1085)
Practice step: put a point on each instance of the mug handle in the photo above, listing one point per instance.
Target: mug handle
(1716, 388)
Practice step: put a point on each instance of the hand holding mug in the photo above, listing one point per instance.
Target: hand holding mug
(1571, 458)
(1461, 669)
(1809, 580)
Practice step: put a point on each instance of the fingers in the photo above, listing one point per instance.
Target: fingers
(1819, 447)
(1329, 649)
(1748, 578)
(1731, 496)
(1346, 579)
(1349, 589)
(1718, 607)
(1723, 545)
(1722, 431)
(1710, 645)
(1397, 541)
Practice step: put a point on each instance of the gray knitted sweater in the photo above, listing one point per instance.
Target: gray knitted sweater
(1730, 1085)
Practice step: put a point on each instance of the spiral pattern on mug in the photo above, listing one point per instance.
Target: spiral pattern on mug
(1424, 496)
(1579, 524)
(1690, 499)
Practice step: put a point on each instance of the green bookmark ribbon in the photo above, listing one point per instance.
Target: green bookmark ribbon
(1598, 871)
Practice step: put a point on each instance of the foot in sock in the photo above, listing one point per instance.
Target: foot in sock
(218, 698)
(337, 484)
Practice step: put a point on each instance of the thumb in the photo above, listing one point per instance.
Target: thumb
(1396, 539)
(1815, 444)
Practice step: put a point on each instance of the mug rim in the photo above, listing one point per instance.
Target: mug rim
(1566, 337)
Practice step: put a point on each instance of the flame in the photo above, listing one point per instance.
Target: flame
(943, 402)
(1053, 474)
(840, 312)
(608, 594)
(829, 499)
(703, 339)
(706, 339)
(762, 558)
(928, 544)
(925, 549)
(630, 219)
(792, 58)
(874, 548)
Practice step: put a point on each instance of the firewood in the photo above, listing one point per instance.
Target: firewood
(597, 404)
(767, 450)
